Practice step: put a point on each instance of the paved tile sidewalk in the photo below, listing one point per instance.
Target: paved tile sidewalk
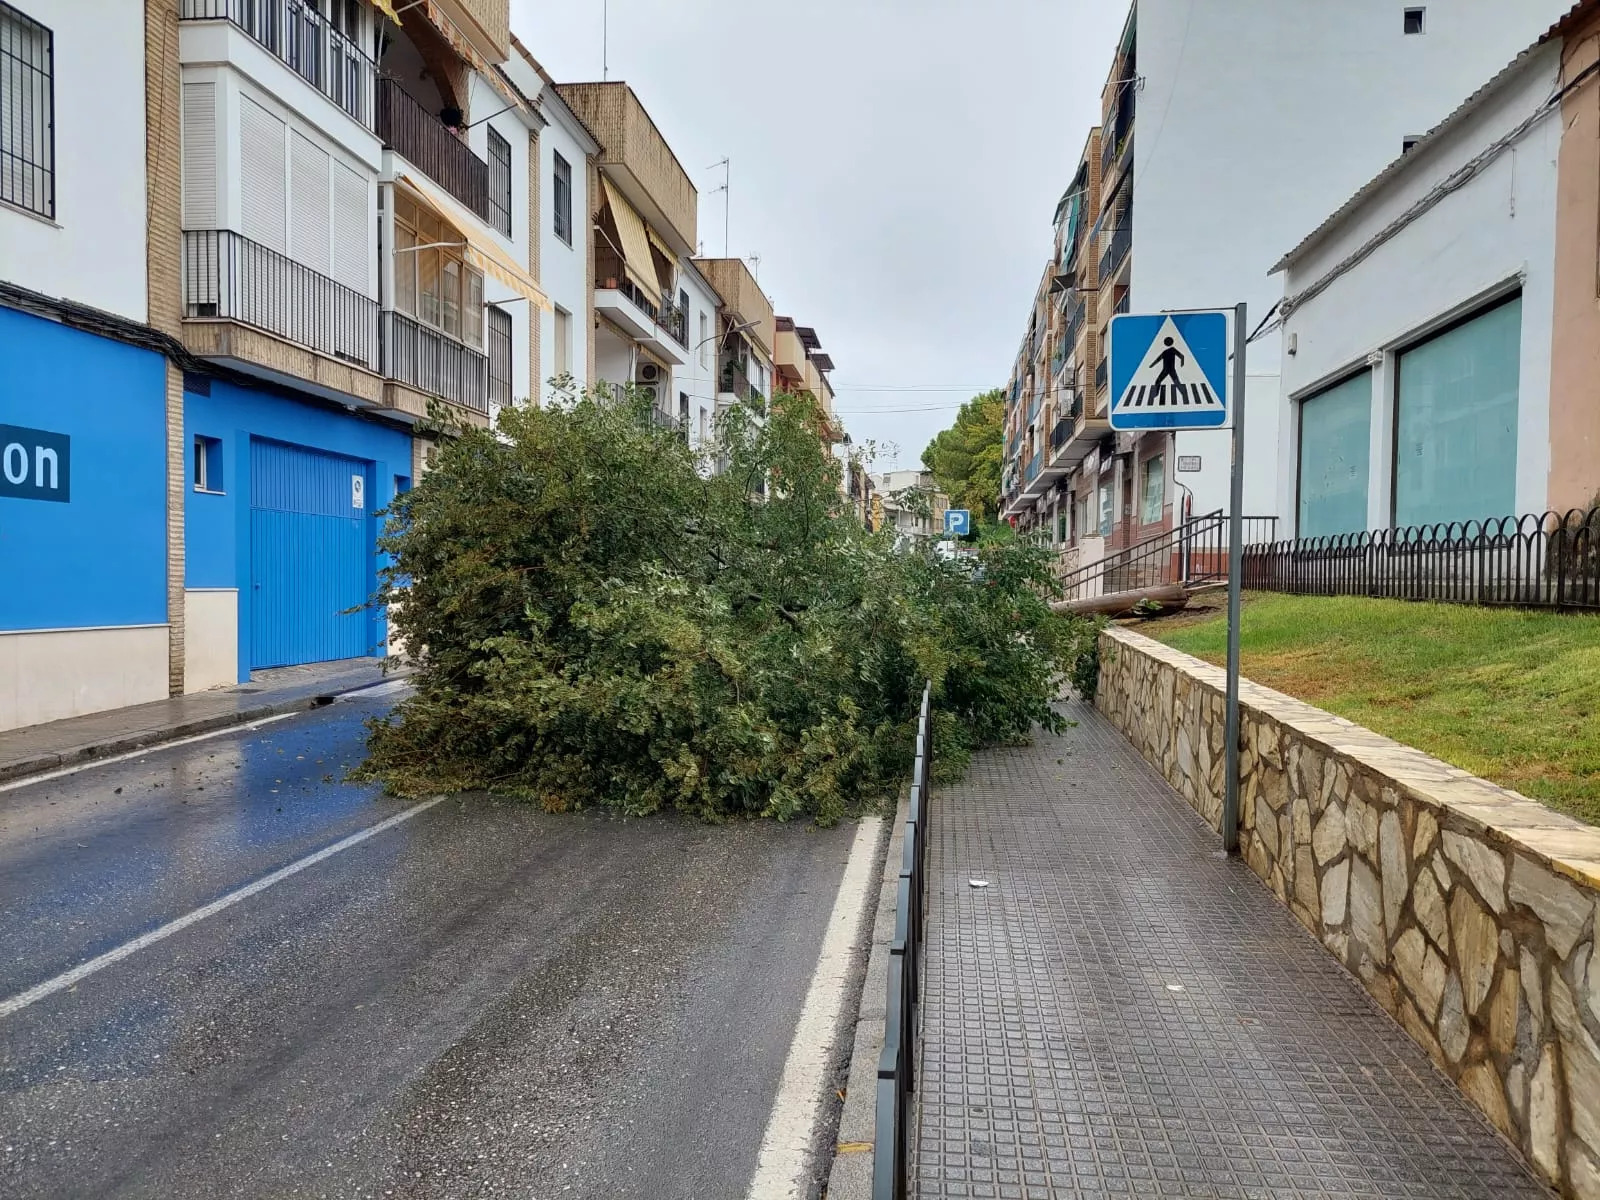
(1123, 1012)
(283, 689)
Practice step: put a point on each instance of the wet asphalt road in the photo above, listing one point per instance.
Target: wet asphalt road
(485, 1000)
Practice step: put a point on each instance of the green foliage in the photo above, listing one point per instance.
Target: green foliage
(966, 460)
(607, 624)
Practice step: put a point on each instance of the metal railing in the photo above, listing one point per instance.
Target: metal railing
(1117, 252)
(1075, 320)
(1031, 472)
(896, 1065)
(435, 363)
(412, 131)
(1193, 554)
(1539, 560)
(302, 38)
(228, 277)
(1100, 374)
(1062, 433)
(675, 321)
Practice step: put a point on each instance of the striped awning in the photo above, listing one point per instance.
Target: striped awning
(480, 250)
(635, 248)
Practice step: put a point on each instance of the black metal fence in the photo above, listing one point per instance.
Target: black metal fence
(429, 361)
(896, 1070)
(422, 139)
(227, 276)
(1539, 560)
(306, 41)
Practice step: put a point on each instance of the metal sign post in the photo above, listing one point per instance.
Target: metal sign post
(1169, 371)
(1230, 787)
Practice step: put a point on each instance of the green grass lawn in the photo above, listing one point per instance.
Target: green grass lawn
(1509, 695)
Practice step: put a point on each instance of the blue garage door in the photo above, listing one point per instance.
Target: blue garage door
(311, 555)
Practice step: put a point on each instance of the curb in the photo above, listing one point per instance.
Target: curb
(147, 739)
(850, 1177)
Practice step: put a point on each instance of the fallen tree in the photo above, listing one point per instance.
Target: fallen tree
(607, 623)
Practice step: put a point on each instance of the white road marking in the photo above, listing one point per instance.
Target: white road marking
(786, 1148)
(388, 688)
(82, 971)
(145, 751)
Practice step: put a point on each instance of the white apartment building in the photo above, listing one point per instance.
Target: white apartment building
(694, 382)
(566, 152)
(1249, 122)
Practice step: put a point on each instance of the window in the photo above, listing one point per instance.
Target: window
(1414, 18)
(561, 210)
(1335, 445)
(207, 464)
(1456, 421)
(705, 341)
(499, 183)
(1107, 507)
(499, 356)
(27, 134)
(1153, 495)
(683, 409)
(563, 340)
(432, 281)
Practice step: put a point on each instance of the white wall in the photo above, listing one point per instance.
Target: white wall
(1256, 121)
(563, 266)
(94, 249)
(698, 377)
(1483, 240)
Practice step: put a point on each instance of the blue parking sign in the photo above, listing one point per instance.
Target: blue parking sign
(958, 521)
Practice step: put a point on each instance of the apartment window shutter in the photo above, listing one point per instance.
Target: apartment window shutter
(264, 176)
(472, 309)
(199, 156)
(499, 183)
(352, 251)
(309, 219)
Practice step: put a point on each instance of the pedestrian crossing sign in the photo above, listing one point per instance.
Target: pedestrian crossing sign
(1169, 370)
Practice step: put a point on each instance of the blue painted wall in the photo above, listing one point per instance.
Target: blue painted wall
(217, 527)
(101, 558)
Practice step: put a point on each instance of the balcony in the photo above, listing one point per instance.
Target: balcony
(1117, 252)
(627, 308)
(1100, 375)
(735, 383)
(1075, 320)
(670, 335)
(485, 23)
(301, 37)
(637, 158)
(415, 134)
(227, 277)
(435, 364)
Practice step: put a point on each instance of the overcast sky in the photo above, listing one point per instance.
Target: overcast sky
(895, 165)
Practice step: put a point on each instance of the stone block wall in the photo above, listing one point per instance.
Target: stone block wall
(1467, 911)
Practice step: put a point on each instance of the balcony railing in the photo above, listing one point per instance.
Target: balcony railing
(1100, 374)
(434, 363)
(412, 131)
(228, 277)
(1061, 434)
(1075, 319)
(675, 321)
(1117, 251)
(298, 34)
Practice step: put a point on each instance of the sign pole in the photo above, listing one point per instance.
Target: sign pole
(1230, 794)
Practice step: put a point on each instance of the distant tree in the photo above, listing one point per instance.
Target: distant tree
(966, 459)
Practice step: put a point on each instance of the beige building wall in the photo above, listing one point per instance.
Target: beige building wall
(211, 638)
(49, 674)
(1575, 340)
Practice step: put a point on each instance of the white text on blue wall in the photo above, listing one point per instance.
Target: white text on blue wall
(35, 464)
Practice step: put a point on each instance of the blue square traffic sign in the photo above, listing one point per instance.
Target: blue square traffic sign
(1169, 370)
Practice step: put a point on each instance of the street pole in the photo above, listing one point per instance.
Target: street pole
(1230, 793)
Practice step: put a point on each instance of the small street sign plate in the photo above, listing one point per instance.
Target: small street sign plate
(1169, 370)
(958, 521)
(1188, 464)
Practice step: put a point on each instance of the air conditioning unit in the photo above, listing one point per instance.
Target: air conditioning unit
(651, 390)
(648, 372)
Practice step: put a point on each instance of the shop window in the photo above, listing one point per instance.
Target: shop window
(1153, 494)
(1335, 441)
(1456, 421)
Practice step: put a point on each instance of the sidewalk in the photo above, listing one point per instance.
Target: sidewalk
(38, 748)
(1124, 1012)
